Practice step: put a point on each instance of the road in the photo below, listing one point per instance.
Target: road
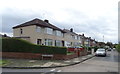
(95, 64)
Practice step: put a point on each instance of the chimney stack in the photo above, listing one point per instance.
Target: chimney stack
(47, 21)
(82, 34)
(71, 30)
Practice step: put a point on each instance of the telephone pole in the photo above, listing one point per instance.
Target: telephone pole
(103, 38)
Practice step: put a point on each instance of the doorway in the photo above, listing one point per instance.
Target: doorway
(39, 41)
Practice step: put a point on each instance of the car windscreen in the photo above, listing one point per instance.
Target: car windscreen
(100, 50)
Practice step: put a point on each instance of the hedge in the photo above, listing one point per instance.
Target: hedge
(90, 48)
(118, 48)
(19, 45)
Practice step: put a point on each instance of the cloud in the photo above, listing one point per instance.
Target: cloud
(92, 17)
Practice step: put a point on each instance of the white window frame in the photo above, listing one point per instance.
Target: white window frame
(38, 29)
(48, 42)
(58, 43)
(49, 31)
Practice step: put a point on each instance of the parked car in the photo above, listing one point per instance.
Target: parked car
(113, 49)
(109, 49)
(100, 52)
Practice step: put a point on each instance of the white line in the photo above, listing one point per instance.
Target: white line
(52, 70)
(59, 71)
(83, 58)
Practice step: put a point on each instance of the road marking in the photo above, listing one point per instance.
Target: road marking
(66, 61)
(83, 58)
(52, 70)
(59, 71)
(76, 61)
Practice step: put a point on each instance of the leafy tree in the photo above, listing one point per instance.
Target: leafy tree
(118, 47)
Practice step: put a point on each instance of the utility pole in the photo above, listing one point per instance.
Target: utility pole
(103, 38)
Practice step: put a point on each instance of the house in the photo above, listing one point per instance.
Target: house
(40, 32)
(71, 38)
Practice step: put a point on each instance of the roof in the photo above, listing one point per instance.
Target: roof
(68, 31)
(38, 22)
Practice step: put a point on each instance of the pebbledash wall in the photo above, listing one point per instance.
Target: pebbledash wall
(35, 56)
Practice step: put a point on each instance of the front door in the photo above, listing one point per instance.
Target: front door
(39, 41)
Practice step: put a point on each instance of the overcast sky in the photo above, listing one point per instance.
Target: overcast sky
(94, 18)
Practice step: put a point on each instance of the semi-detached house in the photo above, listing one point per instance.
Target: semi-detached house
(43, 33)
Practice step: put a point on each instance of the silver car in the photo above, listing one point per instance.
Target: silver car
(100, 52)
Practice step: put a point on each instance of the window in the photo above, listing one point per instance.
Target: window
(59, 33)
(58, 43)
(48, 42)
(49, 31)
(76, 37)
(39, 41)
(38, 29)
(72, 36)
(21, 31)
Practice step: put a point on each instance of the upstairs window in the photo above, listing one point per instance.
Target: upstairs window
(49, 31)
(21, 31)
(75, 37)
(59, 33)
(38, 29)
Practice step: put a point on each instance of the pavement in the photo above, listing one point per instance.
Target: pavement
(34, 64)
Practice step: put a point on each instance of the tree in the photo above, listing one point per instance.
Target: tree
(109, 44)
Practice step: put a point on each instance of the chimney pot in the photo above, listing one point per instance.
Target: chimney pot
(71, 30)
(47, 21)
(83, 34)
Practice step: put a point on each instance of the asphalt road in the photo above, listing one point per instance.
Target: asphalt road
(96, 64)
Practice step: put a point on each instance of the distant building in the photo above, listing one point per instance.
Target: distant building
(71, 38)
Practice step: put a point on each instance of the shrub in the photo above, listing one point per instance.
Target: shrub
(118, 48)
(19, 45)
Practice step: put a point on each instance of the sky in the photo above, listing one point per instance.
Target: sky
(97, 19)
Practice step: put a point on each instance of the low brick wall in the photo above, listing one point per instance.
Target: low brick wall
(34, 56)
(20, 55)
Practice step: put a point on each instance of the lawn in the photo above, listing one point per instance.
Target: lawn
(4, 62)
(70, 53)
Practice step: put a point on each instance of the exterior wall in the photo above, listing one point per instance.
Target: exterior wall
(71, 41)
(30, 31)
(35, 56)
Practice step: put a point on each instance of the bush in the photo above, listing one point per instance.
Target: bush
(19, 45)
(118, 48)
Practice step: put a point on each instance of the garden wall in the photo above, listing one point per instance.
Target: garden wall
(35, 56)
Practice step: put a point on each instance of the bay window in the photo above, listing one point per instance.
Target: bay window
(48, 42)
(58, 43)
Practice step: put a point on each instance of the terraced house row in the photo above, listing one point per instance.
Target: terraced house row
(44, 33)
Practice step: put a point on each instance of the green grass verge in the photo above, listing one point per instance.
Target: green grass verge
(70, 53)
(4, 62)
